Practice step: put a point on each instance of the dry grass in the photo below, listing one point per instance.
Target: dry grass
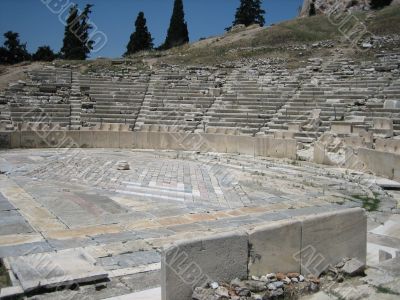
(270, 42)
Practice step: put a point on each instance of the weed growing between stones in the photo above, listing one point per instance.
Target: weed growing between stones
(4, 279)
(368, 203)
(385, 290)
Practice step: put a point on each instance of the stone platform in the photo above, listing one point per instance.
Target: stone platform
(58, 199)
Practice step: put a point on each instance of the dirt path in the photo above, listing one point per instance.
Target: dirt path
(16, 72)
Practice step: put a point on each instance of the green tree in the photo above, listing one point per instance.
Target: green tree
(178, 33)
(85, 27)
(44, 53)
(13, 51)
(76, 43)
(378, 4)
(249, 12)
(312, 11)
(141, 39)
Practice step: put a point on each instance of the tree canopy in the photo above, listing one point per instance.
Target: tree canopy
(312, 11)
(13, 51)
(44, 53)
(76, 43)
(249, 12)
(178, 33)
(141, 39)
(377, 4)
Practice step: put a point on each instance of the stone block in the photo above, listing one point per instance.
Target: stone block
(113, 139)
(383, 123)
(320, 155)
(383, 127)
(216, 143)
(15, 139)
(86, 139)
(342, 127)
(101, 139)
(388, 145)
(294, 127)
(126, 140)
(284, 134)
(245, 145)
(50, 270)
(5, 140)
(29, 139)
(59, 139)
(380, 163)
(391, 104)
(356, 142)
(328, 238)
(198, 142)
(188, 264)
(280, 148)
(273, 247)
(172, 141)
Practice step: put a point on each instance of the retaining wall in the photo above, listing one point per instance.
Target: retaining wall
(259, 146)
(309, 245)
(384, 164)
(388, 145)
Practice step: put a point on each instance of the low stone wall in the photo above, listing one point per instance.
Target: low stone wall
(384, 164)
(388, 145)
(308, 245)
(259, 146)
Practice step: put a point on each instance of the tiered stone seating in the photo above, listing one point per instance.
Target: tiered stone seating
(45, 99)
(249, 102)
(378, 109)
(177, 101)
(111, 100)
(255, 98)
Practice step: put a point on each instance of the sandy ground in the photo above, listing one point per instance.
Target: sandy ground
(16, 72)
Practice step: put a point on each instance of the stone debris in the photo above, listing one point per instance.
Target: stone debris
(269, 286)
(123, 165)
(353, 267)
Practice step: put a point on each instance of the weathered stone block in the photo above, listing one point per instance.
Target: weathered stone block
(272, 248)
(342, 127)
(15, 139)
(113, 139)
(328, 238)
(126, 140)
(52, 269)
(392, 104)
(189, 264)
(5, 140)
(86, 139)
(101, 139)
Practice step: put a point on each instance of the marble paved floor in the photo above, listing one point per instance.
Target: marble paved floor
(52, 200)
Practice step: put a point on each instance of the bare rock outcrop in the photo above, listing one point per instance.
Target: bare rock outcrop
(328, 6)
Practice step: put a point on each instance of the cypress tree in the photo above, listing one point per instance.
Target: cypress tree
(76, 43)
(249, 12)
(178, 33)
(84, 28)
(312, 11)
(378, 4)
(141, 39)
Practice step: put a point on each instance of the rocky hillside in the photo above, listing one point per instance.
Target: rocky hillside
(293, 41)
(327, 6)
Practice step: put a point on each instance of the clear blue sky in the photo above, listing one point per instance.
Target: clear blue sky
(38, 26)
